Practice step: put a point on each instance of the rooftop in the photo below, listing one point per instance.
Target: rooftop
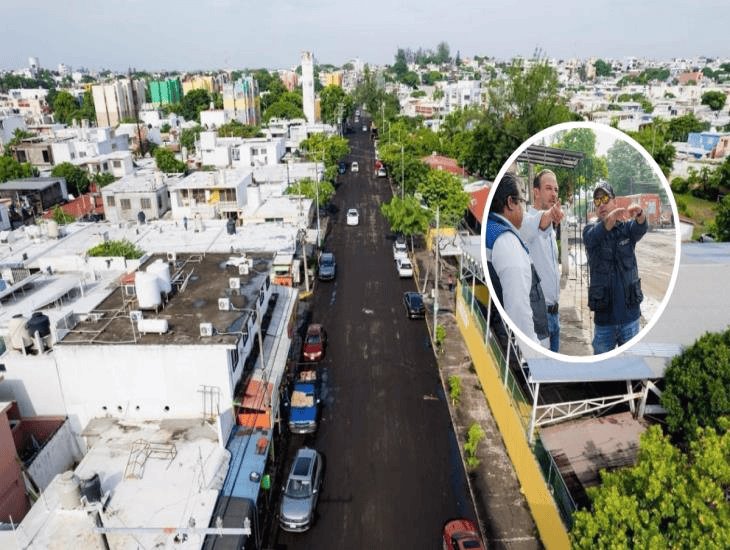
(138, 183)
(31, 184)
(227, 177)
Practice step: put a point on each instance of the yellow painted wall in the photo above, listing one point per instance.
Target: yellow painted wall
(552, 531)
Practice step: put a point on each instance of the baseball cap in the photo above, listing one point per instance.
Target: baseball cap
(605, 187)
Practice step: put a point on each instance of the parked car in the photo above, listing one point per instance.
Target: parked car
(342, 167)
(315, 343)
(461, 534)
(404, 268)
(354, 167)
(400, 249)
(381, 173)
(364, 128)
(353, 218)
(301, 492)
(327, 266)
(707, 238)
(413, 303)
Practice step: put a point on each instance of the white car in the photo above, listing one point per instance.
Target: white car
(404, 267)
(381, 173)
(353, 218)
(354, 167)
(364, 128)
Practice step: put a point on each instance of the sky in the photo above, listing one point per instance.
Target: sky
(212, 34)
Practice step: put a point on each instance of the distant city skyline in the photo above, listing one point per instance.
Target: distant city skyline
(186, 35)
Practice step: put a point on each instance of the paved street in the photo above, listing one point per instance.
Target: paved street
(393, 470)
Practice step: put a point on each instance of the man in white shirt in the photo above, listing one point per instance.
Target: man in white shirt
(538, 232)
(515, 281)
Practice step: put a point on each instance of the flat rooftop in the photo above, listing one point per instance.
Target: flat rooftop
(175, 486)
(201, 281)
(224, 178)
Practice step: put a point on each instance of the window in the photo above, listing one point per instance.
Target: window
(46, 157)
(235, 154)
(146, 204)
(125, 204)
(117, 163)
(73, 156)
(159, 202)
(110, 201)
(22, 157)
(106, 167)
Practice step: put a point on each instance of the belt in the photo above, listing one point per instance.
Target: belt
(552, 309)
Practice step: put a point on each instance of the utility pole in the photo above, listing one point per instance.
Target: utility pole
(436, 279)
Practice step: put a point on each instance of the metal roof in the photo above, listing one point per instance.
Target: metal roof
(551, 156)
(626, 367)
(30, 184)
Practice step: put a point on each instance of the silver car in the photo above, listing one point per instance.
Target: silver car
(301, 491)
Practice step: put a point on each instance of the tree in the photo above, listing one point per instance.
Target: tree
(335, 104)
(284, 110)
(188, 137)
(307, 187)
(406, 216)
(653, 138)
(102, 179)
(60, 217)
(411, 79)
(697, 386)
(77, 179)
(669, 499)
(443, 53)
(64, 107)
(400, 67)
(11, 169)
(18, 136)
(334, 148)
(603, 68)
(192, 103)
(444, 190)
(627, 167)
(715, 100)
(589, 170)
(680, 127)
(722, 220)
(167, 163)
(165, 128)
(235, 128)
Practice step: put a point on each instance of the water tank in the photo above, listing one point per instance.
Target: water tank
(69, 493)
(161, 270)
(20, 337)
(39, 322)
(52, 226)
(91, 488)
(141, 217)
(157, 326)
(231, 226)
(147, 287)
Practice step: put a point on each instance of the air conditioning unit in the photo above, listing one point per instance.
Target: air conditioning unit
(243, 269)
(224, 304)
(135, 315)
(172, 257)
(234, 283)
(206, 329)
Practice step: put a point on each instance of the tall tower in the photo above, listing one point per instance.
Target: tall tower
(34, 65)
(308, 85)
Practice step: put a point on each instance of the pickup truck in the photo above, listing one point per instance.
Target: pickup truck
(400, 250)
(304, 403)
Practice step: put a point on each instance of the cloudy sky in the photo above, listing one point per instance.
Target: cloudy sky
(194, 34)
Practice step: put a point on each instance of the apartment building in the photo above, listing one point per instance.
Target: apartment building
(117, 101)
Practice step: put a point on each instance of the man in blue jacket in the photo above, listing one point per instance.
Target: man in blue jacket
(614, 292)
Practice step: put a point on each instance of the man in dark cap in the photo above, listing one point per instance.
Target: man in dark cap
(614, 292)
(511, 271)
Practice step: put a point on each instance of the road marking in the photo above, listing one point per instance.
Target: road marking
(367, 311)
(429, 397)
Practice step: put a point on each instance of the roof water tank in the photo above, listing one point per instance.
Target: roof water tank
(39, 322)
(91, 488)
(147, 287)
(69, 493)
(52, 227)
(231, 226)
(157, 326)
(161, 270)
(20, 337)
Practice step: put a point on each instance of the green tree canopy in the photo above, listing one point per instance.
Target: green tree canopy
(443, 190)
(123, 248)
(722, 220)
(60, 217)
(603, 68)
(680, 127)
(64, 107)
(307, 187)
(188, 137)
(167, 163)
(653, 138)
(697, 386)
(77, 179)
(284, 110)
(668, 500)
(406, 216)
(235, 128)
(332, 98)
(715, 100)
(191, 104)
(627, 168)
(11, 169)
(588, 171)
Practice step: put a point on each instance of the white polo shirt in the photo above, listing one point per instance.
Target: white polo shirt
(543, 247)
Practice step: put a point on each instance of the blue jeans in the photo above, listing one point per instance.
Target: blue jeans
(607, 337)
(554, 331)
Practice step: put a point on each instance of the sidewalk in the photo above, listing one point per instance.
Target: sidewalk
(503, 513)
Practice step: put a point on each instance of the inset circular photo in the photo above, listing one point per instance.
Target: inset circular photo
(581, 242)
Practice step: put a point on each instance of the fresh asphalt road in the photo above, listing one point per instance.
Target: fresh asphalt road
(393, 471)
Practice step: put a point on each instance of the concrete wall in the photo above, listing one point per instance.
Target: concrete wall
(57, 455)
(31, 381)
(13, 502)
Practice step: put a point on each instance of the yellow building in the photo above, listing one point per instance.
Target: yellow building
(332, 79)
(207, 83)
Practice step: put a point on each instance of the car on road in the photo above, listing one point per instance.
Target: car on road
(461, 534)
(381, 173)
(301, 492)
(354, 167)
(364, 128)
(400, 249)
(353, 218)
(413, 303)
(315, 343)
(404, 268)
(327, 266)
(707, 238)
(341, 167)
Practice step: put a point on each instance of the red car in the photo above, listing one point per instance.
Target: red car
(462, 534)
(315, 343)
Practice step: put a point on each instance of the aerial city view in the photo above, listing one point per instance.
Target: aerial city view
(280, 278)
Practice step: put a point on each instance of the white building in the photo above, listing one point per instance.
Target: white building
(126, 198)
(210, 195)
(240, 152)
(308, 86)
(117, 101)
(8, 124)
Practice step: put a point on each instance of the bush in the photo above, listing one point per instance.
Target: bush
(679, 185)
(473, 437)
(116, 248)
(455, 389)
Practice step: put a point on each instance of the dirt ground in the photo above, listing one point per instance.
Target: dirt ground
(655, 255)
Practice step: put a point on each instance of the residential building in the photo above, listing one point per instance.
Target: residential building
(290, 79)
(36, 151)
(34, 66)
(132, 195)
(8, 124)
(240, 152)
(35, 194)
(210, 195)
(461, 94)
(13, 501)
(308, 86)
(242, 97)
(117, 101)
(693, 76)
(331, 79)
(201, 82)
(441, 162)
(163, 92)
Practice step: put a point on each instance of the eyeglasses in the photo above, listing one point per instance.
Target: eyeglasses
(603, 199)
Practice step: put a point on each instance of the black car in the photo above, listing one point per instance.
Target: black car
(413, 303)
(327, 266)
(342, 167)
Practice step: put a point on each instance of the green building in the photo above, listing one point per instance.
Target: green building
(166, 91)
